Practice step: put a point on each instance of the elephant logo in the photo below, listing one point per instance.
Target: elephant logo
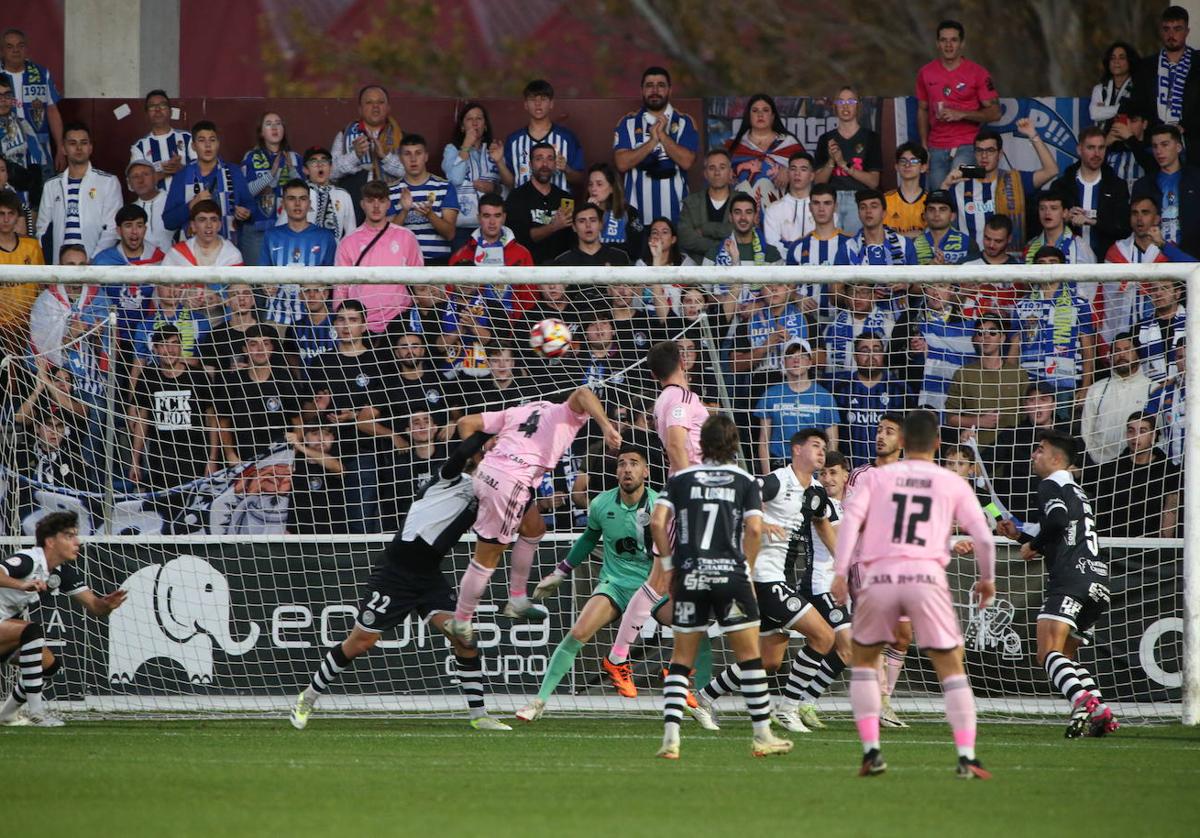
(177, 610)
(990, 630)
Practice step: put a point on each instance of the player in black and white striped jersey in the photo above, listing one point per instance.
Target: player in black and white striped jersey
(24, 577)
(409, 578)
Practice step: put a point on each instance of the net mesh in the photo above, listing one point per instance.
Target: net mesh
(240, 453)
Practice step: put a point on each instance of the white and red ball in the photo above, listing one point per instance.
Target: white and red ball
(550, 337)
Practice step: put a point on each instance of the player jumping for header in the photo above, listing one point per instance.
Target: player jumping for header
(903, 514)
(718, 529)
(530, 440)
(1076, 594)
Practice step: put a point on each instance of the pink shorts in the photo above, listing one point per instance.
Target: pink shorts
(502, 502)
(914, 589)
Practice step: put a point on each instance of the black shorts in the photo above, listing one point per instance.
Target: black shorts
(392, 593)
(779, 606)
(1081, 609)
(838, 616)
(698, 599)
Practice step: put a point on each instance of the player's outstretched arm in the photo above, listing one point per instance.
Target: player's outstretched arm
(100, 606)
(462, 454)
(584, 400)
(578, 554)
(469, 425)
(677, 448)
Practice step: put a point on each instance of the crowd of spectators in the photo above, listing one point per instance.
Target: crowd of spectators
(362, 383)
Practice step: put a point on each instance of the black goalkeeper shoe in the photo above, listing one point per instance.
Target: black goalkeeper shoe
(970, 769)
(872, 764)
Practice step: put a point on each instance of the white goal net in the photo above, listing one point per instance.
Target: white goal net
(240, 445)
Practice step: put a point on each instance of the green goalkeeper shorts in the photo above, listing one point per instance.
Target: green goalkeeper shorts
(619, 593)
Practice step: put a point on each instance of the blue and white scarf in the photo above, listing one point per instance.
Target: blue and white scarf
(1171, 80)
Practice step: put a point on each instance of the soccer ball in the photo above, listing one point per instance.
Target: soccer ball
(550, 337)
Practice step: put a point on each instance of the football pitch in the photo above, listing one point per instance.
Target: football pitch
(583, 777)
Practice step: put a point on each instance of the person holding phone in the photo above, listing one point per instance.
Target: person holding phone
(539, 213)
(983, 190)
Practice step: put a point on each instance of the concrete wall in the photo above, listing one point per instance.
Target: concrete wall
(121, 48)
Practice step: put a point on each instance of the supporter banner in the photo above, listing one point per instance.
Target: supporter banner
(1058, 120)
(246, 619)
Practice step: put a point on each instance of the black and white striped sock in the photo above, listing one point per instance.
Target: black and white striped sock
(29, 663)
(758, 698)
(470, 681)
(331, 667)
(1088, 682)
(675, 689)
(1064, 678)
(806, 667)
(730, 680)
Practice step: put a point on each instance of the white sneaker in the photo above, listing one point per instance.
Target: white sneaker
(532, 711)
(522, 608)
(15, 720)
(808, 715)
(670, 747)
(44, 719)
(704, 715)
(790, 720)
(770, 745)
(887, 716)
(300, 711)
(486, 722)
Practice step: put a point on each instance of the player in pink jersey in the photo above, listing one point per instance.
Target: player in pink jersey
(678, 416)
(530, 439)
(902, 516)
(888, 448)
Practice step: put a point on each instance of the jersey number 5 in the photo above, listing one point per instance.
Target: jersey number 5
(904, 530)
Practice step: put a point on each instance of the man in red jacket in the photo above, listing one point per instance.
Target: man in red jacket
(493, 244)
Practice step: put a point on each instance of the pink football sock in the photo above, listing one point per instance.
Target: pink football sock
(960, 712)
(865, 701)
(470, 590)
(524, 551)
(635, 616)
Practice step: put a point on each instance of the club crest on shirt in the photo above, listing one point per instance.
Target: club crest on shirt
(677, 412)
(362, 380)
(274, 404)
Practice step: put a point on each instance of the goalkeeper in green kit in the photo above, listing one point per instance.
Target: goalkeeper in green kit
(620, 518)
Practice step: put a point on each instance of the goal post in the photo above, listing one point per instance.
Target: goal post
(236, 589)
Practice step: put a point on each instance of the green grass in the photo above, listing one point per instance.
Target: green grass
(582, 777)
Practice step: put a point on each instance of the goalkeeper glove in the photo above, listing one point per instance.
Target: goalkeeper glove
(551, 581)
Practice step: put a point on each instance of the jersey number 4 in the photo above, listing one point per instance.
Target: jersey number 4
(530, 425)
(904, 530)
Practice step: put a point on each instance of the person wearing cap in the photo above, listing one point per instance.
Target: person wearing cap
(142, 181)
(874, 243)
(792, 405)
(774, 318)
(297, 244)
(329, 206)
(166, 149)
(940, 243)
(1099, 211)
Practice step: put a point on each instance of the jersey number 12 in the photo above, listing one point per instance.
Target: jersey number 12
(905, 528)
